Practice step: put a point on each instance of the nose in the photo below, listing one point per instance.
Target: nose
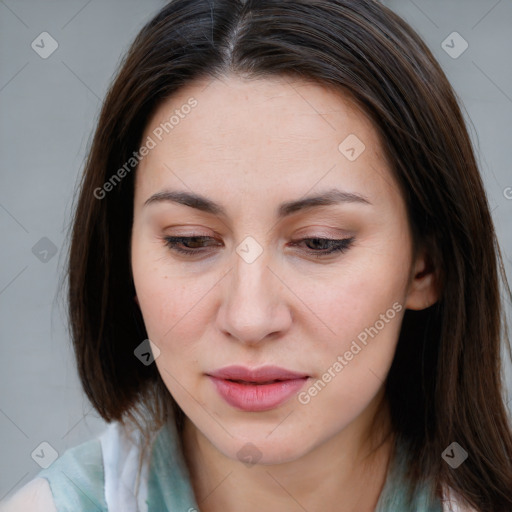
(255, 302)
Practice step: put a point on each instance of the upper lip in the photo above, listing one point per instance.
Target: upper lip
(263, 374)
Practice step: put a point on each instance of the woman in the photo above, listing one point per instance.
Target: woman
(283, 198)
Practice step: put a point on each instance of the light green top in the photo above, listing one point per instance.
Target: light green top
(99, 475)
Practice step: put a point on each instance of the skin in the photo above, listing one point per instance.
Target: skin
(251, 145)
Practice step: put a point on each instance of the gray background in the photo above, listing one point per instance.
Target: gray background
(48, 110)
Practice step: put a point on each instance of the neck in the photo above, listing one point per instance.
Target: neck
(346, 473)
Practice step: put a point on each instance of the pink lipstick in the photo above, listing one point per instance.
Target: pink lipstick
(256, 390)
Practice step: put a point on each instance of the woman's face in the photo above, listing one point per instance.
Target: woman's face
(256, 292)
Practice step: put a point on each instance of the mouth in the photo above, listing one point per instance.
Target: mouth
(256, 382)
(262, 375)
(257, 390)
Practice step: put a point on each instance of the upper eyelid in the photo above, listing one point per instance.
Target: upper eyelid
(337, 246)
(176, 239)
(299, 238)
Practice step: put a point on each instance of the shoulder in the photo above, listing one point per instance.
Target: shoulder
(76, 478)
(74, 481)
(95, 473)
(35, 496)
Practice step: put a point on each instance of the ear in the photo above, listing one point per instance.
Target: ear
(423, 285)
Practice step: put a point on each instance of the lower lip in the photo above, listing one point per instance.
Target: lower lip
(257, 397)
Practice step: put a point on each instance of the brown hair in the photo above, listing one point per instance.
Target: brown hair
(445, 382)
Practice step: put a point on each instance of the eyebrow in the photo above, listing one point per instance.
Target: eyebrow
(330, 197)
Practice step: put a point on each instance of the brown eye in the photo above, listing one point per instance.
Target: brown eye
(329, 246)
(193, 244)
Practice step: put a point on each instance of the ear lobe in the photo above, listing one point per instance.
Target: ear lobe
(423, 287)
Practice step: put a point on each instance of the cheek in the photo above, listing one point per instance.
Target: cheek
(362, 306)
(353, 298)
(171, 300)
(168, 306)
(360, 346)
(353, 363)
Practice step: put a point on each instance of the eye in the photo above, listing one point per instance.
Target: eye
(333, 246)
(194, 245)
(173, 242)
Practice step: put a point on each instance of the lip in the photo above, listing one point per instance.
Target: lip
(255, 390)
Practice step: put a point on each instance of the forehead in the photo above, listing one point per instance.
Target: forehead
(261, 136)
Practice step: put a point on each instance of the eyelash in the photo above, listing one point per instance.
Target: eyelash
(339, 245)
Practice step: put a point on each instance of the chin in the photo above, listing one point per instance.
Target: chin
(260, 448)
